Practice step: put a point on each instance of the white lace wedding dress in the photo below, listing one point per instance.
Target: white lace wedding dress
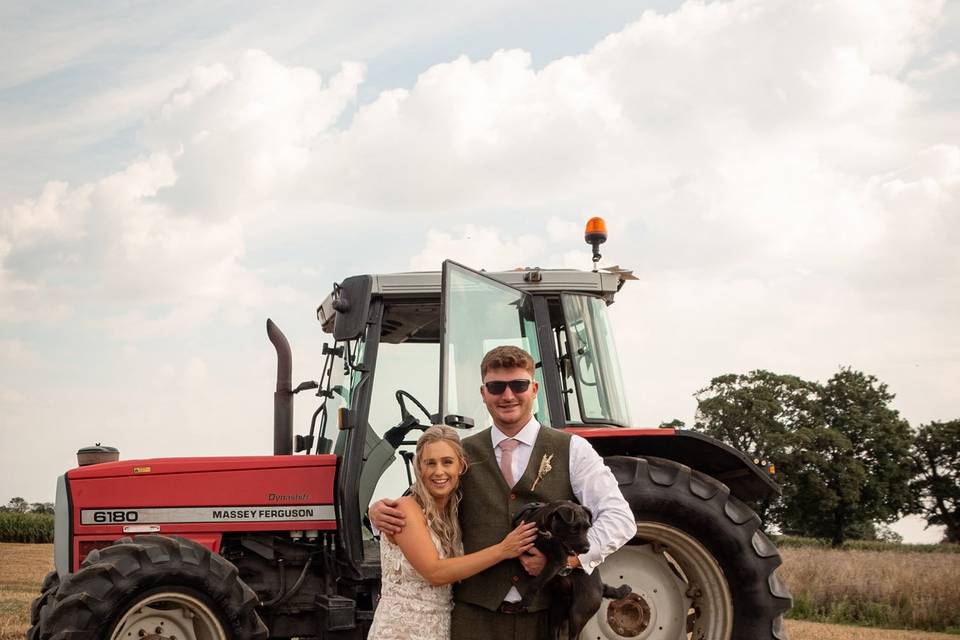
(410, 608)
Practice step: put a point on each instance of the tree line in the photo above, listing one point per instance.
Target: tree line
(19, 505)
(848, 463)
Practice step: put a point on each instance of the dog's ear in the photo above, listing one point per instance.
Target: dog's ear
(589, 515)
(572, 513)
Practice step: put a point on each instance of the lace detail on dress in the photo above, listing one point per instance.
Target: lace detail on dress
(410, 608)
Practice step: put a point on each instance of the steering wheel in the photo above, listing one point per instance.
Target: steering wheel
(408, 422)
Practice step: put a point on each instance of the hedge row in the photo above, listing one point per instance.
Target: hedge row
(864, 545)
(26, 527)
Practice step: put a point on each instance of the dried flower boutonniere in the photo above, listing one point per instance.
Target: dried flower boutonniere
(544, 469)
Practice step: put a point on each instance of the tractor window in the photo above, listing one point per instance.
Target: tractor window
(481, 314)
(409, 367)
(590, 357)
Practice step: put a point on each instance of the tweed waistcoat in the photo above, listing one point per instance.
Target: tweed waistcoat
(488, 507)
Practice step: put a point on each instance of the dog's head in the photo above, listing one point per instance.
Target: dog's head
(563, 521)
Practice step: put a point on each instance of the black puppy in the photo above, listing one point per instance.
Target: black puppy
(574, 595)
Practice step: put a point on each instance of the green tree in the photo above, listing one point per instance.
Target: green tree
(41, 507)
(854, 469)
(936, 453)
(18, 504)
(756, 412)
(759, 413)
(676, 423)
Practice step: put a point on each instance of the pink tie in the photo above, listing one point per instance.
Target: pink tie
(506, 458)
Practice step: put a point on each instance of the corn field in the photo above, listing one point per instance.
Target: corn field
(26, 527)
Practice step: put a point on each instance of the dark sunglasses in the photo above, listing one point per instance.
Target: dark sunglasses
(496, 387)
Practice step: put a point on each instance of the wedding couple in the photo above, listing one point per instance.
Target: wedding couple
(456, 526)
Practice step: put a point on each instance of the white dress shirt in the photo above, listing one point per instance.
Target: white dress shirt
(593, 485)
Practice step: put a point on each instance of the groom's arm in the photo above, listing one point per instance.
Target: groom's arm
(385, 516)
(595, 487)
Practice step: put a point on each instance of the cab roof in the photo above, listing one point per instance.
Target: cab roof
(423, 287)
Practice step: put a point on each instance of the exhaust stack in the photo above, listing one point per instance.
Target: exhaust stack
(283, 397)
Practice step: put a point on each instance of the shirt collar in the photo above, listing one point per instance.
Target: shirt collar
(527, 435)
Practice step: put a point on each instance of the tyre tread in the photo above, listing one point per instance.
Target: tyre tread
(664, 490)
(88, 601)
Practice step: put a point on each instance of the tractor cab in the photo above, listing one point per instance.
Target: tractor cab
(411, 346)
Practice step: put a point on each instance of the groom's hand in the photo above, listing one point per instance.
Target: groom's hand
(533, 561)
(386, 517)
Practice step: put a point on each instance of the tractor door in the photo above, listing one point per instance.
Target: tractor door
(479, 313)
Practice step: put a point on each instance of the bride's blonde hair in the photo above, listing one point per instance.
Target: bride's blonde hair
(444, 521)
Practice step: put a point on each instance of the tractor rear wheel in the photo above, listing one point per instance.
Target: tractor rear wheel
(700, 565)
(153, 586)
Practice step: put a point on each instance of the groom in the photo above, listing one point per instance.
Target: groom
(510, 465)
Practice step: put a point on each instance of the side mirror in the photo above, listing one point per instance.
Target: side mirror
(352, 304)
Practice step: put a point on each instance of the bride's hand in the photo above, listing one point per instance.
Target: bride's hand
(519, 540)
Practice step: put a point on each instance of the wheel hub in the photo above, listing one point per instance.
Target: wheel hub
(629, 616)
(679, 590)
(170, 615)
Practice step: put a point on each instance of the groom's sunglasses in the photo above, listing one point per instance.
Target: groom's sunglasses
(496, 387)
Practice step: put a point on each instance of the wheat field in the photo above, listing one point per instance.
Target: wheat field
(22, 567)
(875, 588)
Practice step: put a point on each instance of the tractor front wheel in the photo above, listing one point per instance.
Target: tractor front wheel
(51, 582)
(153, 586)
(700, 565)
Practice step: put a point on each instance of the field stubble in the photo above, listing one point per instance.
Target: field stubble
(22, 567)
(815, 575)
(875, 588)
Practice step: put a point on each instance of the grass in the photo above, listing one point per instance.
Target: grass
(907, 590)
(22, 568)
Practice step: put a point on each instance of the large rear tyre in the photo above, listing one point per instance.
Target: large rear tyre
(153, 586)
(700, 566)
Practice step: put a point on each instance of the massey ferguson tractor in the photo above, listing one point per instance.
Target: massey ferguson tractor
(278, 546)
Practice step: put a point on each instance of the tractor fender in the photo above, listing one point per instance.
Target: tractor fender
(747, 481)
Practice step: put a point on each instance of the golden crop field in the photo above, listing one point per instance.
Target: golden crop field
(876, 588)
(840, 575)
(22, 567)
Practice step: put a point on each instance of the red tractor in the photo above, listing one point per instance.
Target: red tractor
(277, 546)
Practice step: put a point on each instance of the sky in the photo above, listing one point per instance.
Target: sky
(782, 177)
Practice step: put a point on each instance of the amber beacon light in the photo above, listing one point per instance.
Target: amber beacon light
(595, 235)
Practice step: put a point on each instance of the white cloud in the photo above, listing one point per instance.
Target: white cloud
(478, 248)
(937, 66)
(243, 135)
(165, 236)
(667, 100)
(18, 355)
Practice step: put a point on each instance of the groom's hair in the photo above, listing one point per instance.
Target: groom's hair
(506, 357)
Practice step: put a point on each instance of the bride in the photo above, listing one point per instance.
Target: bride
(419, 563)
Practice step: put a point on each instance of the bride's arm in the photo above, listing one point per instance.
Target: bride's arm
(418, 548)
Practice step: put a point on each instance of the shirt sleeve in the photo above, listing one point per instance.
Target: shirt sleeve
(595, 487)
